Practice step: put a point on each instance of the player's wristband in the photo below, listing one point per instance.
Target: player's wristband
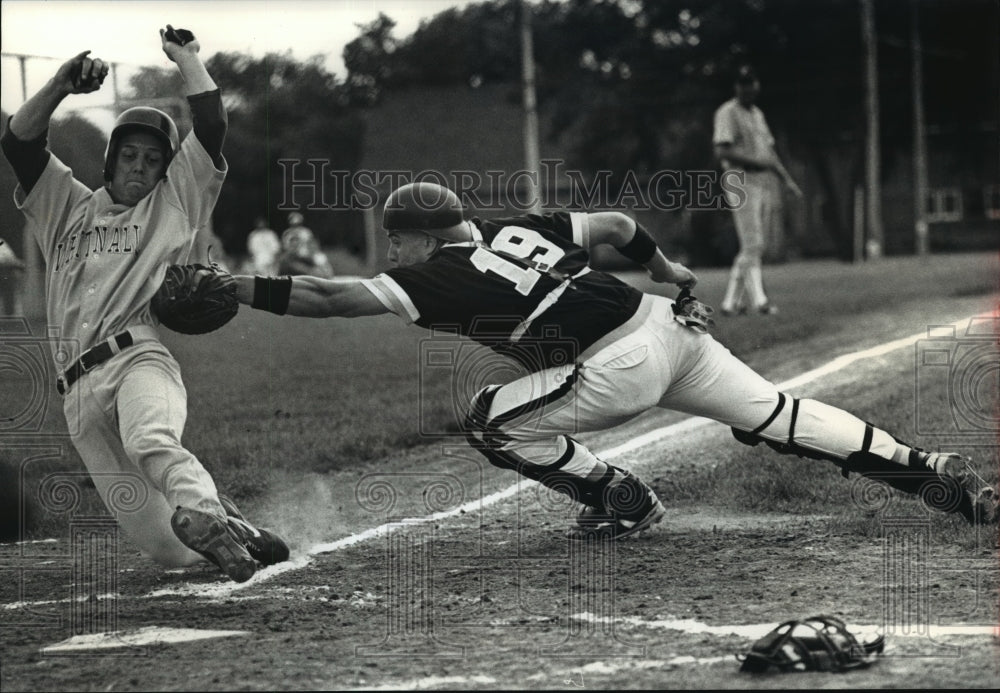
(641, 248)
(272, 294)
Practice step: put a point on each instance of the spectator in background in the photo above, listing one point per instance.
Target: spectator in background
(11, 268)
(264, 246)
(743, 143)
(300, 251)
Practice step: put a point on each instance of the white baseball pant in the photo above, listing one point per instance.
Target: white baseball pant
(132, 410)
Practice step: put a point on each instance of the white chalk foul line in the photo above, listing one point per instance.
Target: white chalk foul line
(759, 630)
(221, 590)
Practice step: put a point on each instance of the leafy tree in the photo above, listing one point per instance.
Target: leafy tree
(79, 144)
(631, 85)
(279, 109)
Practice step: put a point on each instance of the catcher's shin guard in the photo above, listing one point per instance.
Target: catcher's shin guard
(619, 504)
(943, 481)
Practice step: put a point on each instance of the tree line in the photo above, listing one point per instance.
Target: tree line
(626, 85)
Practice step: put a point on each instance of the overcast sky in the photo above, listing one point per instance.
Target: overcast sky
(127, 32)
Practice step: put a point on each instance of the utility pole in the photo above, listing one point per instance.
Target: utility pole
(531, 153)
(114, 86)
(919, 135)
(873, 174)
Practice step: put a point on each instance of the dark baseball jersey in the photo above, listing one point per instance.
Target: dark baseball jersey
(523, 287)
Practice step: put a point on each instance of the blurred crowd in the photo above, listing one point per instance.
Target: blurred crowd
(295, 252)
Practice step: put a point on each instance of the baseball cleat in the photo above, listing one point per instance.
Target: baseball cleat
(229, 505)
(767, 309)
(593, 523)
(629, 506)
(978, 503)
(266, 547)
(211, 537)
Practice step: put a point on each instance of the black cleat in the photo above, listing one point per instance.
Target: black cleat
(629, 507)
(978, 503)
(266, 547)
(211, 537)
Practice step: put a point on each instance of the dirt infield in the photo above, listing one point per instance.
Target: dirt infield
(468, 606)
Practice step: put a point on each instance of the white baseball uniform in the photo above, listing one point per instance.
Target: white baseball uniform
(104, 262)
(747, 131)
(264, 247)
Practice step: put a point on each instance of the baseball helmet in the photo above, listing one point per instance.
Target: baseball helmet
(427, 207)
(141, 119)
(295, 219)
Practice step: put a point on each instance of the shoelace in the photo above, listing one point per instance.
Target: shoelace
(954, 466)
(244, 528)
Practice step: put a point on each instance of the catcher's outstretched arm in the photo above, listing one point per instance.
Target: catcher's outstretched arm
(309, 297)
(635, 243)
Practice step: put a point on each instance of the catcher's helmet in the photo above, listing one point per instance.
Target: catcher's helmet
(141, 119)
(427, 207)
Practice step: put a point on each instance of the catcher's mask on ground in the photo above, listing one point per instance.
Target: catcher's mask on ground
(816, 643)
(429, 208)
(145, 119)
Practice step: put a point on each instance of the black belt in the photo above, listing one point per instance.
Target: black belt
(91, 359)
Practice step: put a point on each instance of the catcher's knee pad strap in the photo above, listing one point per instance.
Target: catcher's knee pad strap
(753, 437)
(272, 294)
(479, 431)
(789, 446)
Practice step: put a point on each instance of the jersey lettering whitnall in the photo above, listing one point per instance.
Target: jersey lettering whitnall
(523, 288)
(104, 261)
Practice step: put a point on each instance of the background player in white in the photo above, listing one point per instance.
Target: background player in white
(106, 252)
(264, 246)
(523, 287)
(743, 143)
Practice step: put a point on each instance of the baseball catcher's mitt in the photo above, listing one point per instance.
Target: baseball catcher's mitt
(817, 643)
(691, 312)
(195, 299)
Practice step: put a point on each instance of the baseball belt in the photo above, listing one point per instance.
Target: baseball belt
(92, 358)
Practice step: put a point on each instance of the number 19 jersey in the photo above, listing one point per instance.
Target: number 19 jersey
(522, 287)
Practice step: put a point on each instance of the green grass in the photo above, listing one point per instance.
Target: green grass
(276, 398)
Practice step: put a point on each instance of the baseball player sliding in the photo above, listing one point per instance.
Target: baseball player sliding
(106, 252)
(523, 286)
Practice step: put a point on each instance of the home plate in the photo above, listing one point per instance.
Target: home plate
(151, 635)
